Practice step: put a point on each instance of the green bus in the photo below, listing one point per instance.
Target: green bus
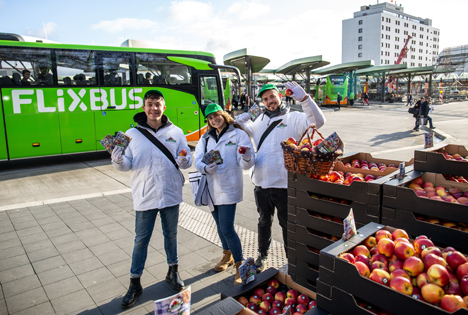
(76, 94)
(327, 90)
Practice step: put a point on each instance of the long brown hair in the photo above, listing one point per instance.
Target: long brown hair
(227, 118)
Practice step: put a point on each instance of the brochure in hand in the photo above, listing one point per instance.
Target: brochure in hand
(247, 270)
(212, 157)
(331, 144)
(177, 304)
(255, 111)
(119, 139)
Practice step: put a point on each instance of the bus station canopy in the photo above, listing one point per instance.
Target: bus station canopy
(345, 67)
(238, 59)
(412, 72)
(301, 65)
(381, 69)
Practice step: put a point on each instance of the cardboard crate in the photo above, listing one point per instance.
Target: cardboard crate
(262, 280)
(339, 273)
(304, 269)
(363, 213)
(397, 196)
(305, 282)
(369, 158)
(303, 234)
(428, 160)
(228, 306)
(297, 249)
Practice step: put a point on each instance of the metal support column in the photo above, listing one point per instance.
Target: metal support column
(248, 70)
(308, 80)
(409, 83)
(382, 95)
(430, 85)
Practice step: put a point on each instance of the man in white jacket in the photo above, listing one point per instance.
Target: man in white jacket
(156, 186)
(269, 174)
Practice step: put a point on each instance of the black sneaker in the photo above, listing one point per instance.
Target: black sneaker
(416, 129)
(260, 263)
(433, 127)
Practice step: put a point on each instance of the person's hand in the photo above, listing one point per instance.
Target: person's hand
(247, 154)
(116, 155)
(212, 168)
(182, 161)
(243, 118)
(298, 92)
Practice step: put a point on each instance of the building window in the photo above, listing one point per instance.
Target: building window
(360, 38)
(360, 22)
(360, 30)
(405, 32)
(381, 53)
(382, 27)
(414, 27)
(360, 47)
(397, 39)
(382, 18)
(406, 24)
(382, 36)
(421, 36)
(421, 29)
(359, 55)
(397, 46)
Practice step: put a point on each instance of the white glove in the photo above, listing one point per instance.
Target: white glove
(182, 161)
(298, 92)
(247, 154)
(243, 118)
(212, 168)
(116, 155)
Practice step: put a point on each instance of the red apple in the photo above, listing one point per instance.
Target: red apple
(292, 294)
(379, 257)
(397, 264)
(399, 233)
(413, 266)
(280, 296)
(400, 273)
(252, 306)
(373, 251)
(265, 305)
(382, 234)
(421, 243)
(432, 259)
(451, 303)
(290, 140)
(432, 293)
(401, 239)
(301, 308)
(241, 150)
(277, 304)
(404, 250)
(465, 299)
(259, 291)
(268, 297)
(453, 288)
(362, 259)
(452, 276)
(386, 246)
(422, 279)
(262, 312)
(243, 300)
(431, 250)
(418, 181)
(348, 256)
(255, 299)
(274, 311)
(380, 276)
(378, 265)
(464, 285)
(361, 250)
(290, 301)
(312, 304)
(401, 284)
(363, 269)
(438, 274)
(271, 290)
(462, 270)
(454, 259)
(370, 242)
(183, 153)
(303, 299)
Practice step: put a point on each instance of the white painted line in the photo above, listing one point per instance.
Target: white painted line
(399, 149)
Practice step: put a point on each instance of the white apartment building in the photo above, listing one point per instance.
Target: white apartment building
(379, 32)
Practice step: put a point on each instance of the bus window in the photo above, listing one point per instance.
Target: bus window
(209, 91)
(25, 66)
(155, 69)
(116, 68)
(76, 67)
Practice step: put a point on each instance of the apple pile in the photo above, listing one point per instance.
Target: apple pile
(339, 177)
(363, 164)
(332, 199)
(305, 145)
(416, 268)
(276, 298)
(458, 179)
(455, 157)
(427, 190)
(449, 224)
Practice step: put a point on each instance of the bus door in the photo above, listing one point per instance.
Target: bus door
(3, 144)
(30, 108)
(209, 94)
(118, 97)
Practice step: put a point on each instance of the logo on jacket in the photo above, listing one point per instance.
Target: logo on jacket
(230, 143)
(282, 125)
(170, 139)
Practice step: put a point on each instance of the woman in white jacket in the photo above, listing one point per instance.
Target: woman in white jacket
(225, 181)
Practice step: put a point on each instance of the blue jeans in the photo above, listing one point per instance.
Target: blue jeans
(224, 217)
(144, 225)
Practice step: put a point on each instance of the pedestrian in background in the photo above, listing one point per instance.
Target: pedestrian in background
(156, 187)
(417, 106)
(424, 111)
(269, 174)
(409, 99)
(365, 98)
(338, 100)
(351, 98)
(225, 181)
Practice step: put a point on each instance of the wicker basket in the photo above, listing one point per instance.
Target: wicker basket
(308, 162)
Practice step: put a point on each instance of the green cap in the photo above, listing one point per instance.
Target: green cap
(153, 92)
(212, 108)
(265, 87)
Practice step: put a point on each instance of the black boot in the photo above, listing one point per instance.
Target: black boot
(174, 279)
(134, 291)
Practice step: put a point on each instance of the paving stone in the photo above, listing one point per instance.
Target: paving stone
(51, 226)
(112, 306)
(8, 228)
(43, 254)
(25, 224)
(49, 263)
(69, 304)
(81, 226)
(42, 309)
(33, 238)
(20, 285)
(13, 262)
(40, 245)
(16, 273)
(190, 260)
(94, 231)
(6, 236)
(125, 242)
(119, 234)
(50, 219)
(95, 240)
(11, 252)
(110, 227)
(59, 232)
(90, 311)
(78, 255)
(120, 269)
(3, 308)
(63, 239)
(30, 231)
(103, 221)
(95, 277)
(85, 265)
(104, 248)
(70, 247)
(106, 290)
(62, 287)
(114, 257)
(10, 243)
(26, 300)
(54, 275)
(18, 213)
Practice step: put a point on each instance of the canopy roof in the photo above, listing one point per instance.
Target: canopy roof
(301, 64)
(380, 69)
(345, 67)
(238, 59)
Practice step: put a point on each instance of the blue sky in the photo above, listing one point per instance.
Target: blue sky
(277, 29)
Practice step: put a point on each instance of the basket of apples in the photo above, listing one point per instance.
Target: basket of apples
(301, 158)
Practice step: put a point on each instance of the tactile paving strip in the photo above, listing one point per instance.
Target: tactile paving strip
(202, 223)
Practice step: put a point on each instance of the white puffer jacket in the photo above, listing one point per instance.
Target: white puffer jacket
(226, 185)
